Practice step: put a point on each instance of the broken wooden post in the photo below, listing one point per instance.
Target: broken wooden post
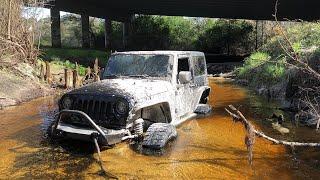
(48, 73)
(88, 73)
(42, 73)
(68, 78)
(76, 77)
(96, 70)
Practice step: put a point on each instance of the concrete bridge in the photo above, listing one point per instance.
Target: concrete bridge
(124, 10)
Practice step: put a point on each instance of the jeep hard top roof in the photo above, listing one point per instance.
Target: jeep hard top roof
(195, 53)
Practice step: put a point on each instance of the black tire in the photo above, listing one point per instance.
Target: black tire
(158, 135)
(203, 109)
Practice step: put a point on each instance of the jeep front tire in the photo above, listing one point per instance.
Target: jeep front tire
(158, 135)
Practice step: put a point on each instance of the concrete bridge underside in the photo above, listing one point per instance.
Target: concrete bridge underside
(123, 10)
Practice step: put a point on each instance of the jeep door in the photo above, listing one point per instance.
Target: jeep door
(184, 91)
(199, 73)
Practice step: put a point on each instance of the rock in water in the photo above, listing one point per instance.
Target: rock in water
(280, 128)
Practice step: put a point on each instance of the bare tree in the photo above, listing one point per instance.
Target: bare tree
(17, 33)
(309, 103)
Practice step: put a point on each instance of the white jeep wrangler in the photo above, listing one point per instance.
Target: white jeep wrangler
(142, 95)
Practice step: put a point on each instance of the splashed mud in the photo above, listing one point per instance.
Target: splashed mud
(207, 148)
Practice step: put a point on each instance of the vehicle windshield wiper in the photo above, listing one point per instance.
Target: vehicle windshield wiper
(141, 75)
(112, 76)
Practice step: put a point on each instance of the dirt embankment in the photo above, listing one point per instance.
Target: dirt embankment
(21, 85)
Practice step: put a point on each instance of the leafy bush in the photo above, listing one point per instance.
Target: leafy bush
(224, 36)
(163, 32)
(149, 33)
(259, 70)
(269, 67)
(82, 56)
(69, 65)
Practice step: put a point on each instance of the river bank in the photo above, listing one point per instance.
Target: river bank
(15, 89)
(207, 148)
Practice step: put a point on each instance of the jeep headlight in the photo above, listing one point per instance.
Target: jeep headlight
(66, 102)
(121, 107)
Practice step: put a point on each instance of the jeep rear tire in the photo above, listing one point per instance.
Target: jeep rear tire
(203, 109)
(158, 135)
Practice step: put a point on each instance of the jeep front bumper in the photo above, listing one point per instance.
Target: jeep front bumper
(105, 136)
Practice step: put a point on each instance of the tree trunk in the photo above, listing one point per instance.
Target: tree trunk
(9, 21)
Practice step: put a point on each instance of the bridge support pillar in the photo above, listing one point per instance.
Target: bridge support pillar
(55, 28)
(107, 35)
(125, 33)
(85, 31)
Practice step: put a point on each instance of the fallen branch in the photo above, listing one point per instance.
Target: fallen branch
(252, 132)
(239, 116)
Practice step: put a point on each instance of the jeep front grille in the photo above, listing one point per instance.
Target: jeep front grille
(100, 110)
(97, 110)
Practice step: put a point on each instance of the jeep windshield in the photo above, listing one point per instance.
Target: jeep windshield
(138, 65)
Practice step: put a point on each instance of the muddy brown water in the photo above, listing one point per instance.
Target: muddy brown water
(207, 148)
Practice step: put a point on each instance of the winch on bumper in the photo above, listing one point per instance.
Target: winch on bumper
(87, 133)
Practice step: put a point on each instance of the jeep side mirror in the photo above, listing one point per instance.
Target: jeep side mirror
(185, 77)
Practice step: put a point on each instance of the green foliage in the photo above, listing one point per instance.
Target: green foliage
(71, 34)
(297, 47)
(182, 32)
(302, 36)
(269, 68)
(258, 69)
(159, 32)
(307, 34)
(223, 36)
(166, 32)
(69, 65)
(149, 33)
(82, 56)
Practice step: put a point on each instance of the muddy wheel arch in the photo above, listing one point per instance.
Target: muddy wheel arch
(204, 95)
(155, 113)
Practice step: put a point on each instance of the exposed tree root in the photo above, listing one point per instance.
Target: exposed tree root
(252, 132)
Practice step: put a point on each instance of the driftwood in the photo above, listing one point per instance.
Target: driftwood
(239, 117)
(252, 132)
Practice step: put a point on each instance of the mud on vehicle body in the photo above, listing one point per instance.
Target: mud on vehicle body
(142, 95)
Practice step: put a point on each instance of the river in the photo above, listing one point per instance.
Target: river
(206, 148)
